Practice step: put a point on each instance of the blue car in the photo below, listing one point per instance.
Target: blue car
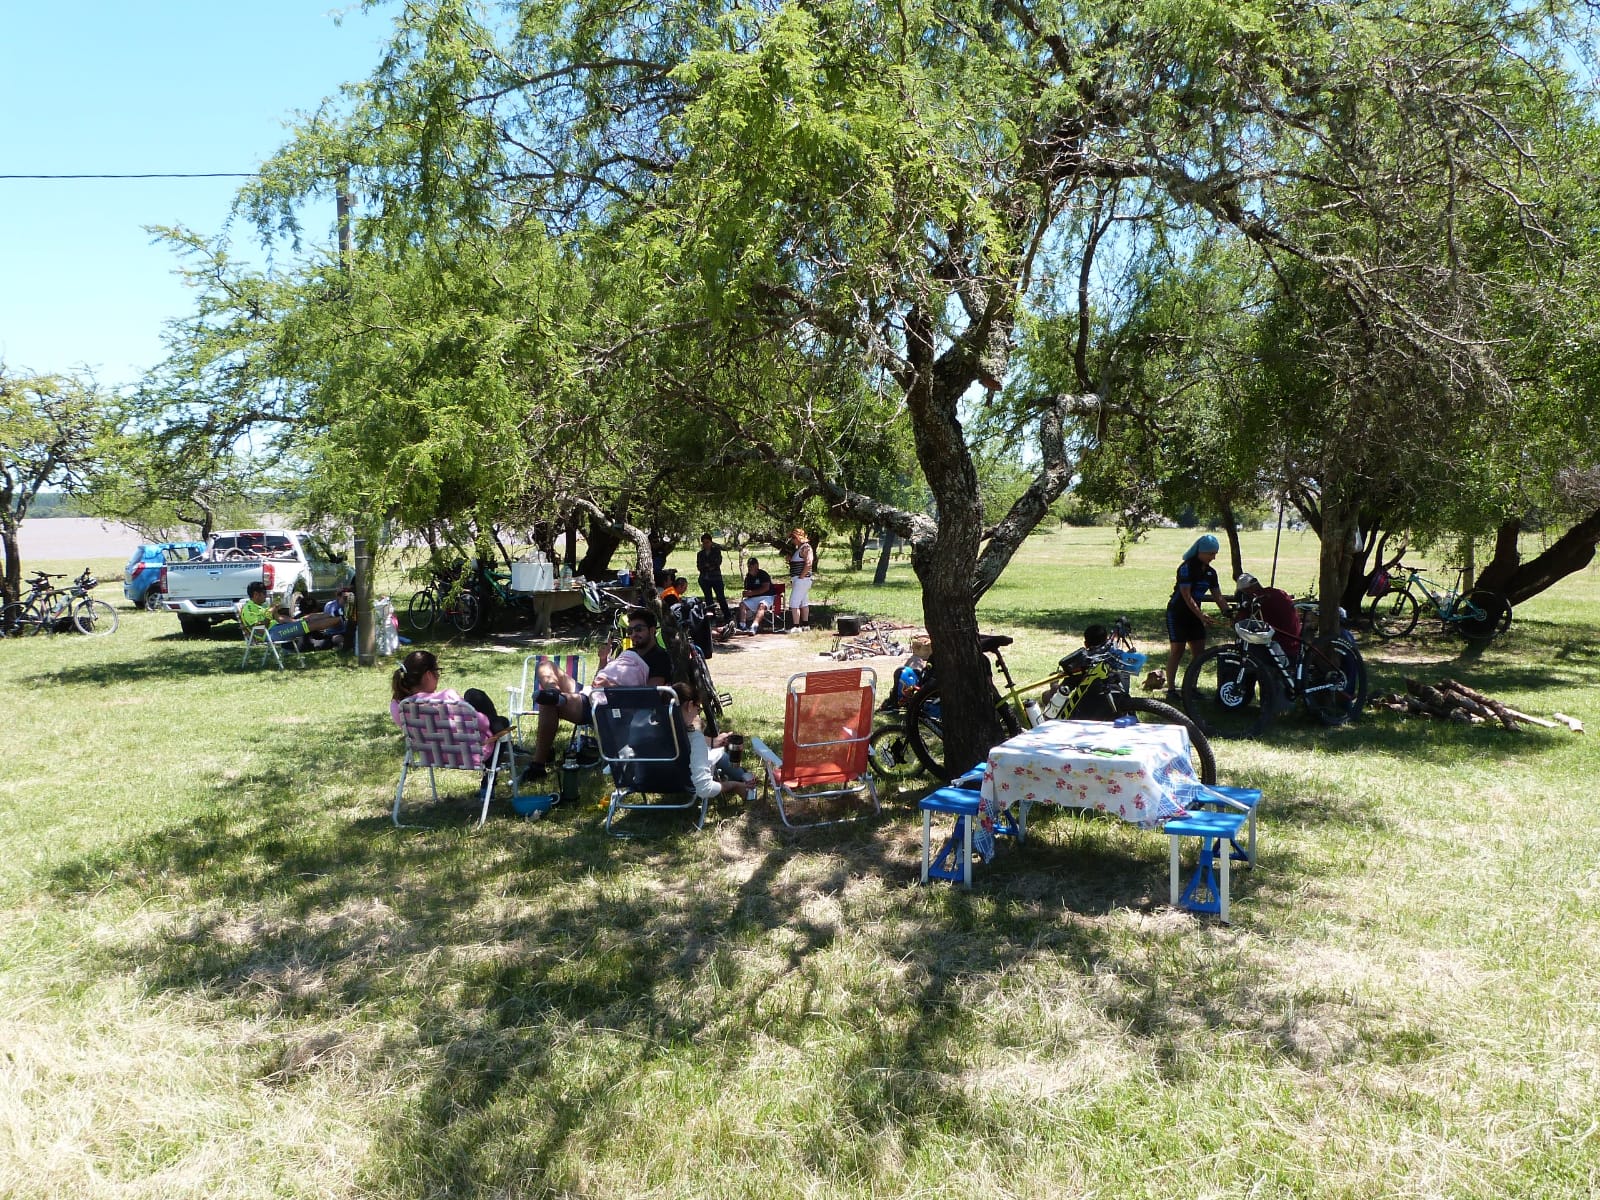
(143, 578)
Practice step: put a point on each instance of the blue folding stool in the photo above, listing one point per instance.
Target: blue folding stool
(1233, 799)
(1207, 890)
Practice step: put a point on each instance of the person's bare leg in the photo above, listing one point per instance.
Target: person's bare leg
(1174, 657)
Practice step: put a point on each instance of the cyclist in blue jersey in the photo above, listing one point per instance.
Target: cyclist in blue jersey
(1186, 622)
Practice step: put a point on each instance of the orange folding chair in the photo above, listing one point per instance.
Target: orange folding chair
(827, 721)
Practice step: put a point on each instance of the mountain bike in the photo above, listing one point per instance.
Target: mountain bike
(447, 597)
(1478, 614)
(47, 609)
(35, 611)
(1090, 684)
(1238, 688)
(90, 617)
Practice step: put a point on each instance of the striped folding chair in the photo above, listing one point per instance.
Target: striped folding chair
(446, 736)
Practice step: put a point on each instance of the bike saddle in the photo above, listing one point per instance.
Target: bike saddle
(990, 642)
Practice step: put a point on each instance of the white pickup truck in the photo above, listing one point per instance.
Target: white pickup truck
(298, 568)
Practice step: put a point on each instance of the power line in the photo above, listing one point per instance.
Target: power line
(150, 175)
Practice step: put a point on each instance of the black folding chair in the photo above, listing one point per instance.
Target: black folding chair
(645, 745)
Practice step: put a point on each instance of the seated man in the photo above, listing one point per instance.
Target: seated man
(280, 622)
(343, 635)
(756, 606)
(1277, 609)
(559, 698)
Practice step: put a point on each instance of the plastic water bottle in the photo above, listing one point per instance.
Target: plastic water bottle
(566, 578)
(1035, 714)
(1054, 703)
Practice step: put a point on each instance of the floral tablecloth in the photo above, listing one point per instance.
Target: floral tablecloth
(1141, 773)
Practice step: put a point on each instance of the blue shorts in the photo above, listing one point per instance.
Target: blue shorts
(1183, 625)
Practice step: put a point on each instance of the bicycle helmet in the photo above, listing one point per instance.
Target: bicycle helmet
(1257, 633)
(591, 597)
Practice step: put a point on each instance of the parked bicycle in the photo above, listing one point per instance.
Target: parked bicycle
(1238, 688)
(1090, 684)
(448, 597)
(1479, 613)
(31, 613)
(48, 609)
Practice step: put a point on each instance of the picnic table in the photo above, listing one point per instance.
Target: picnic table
(1140, 773)
(545, 604)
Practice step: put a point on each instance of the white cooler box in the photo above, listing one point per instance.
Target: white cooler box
(533, 577)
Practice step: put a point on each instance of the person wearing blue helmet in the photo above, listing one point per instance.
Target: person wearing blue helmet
(1186, 621)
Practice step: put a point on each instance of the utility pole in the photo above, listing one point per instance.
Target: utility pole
(366, 634)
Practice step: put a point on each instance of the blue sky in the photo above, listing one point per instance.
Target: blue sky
(159, 86)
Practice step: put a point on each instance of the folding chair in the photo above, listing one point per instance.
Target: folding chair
(780, 607)
(445, 736)
(645, 743)
(259, 637)
(519, 697)
(827, 721)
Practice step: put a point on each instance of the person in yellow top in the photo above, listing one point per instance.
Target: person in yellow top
(280, 628)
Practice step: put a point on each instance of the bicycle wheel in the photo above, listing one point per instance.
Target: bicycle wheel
(1335, 689)
(925, 727)
(13, 619)
(1481, 614)
(891, 756)
(94, 617)
(1157, 712)
(1229, 693)
(924, 730)
(706, 690)
(1393, 614)
(465, 612)
(423, 610)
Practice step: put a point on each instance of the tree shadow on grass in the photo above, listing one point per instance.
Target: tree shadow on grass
(541, 978)
(198, 662)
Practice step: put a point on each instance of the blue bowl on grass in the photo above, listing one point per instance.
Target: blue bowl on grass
(534, 804)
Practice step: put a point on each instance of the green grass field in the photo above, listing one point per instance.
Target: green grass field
(224, 974)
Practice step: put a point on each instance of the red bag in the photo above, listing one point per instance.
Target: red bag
(1378, 584)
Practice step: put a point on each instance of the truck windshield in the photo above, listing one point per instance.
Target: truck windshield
(253, 543)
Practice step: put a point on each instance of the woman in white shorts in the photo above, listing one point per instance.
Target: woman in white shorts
(802, 564)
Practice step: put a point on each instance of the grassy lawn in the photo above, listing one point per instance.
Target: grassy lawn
(224, 974)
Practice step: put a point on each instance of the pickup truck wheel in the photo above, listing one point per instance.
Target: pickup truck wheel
(194, 626)
(153, 601)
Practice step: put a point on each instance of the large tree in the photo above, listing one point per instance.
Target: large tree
(50, 429)
(781, 219)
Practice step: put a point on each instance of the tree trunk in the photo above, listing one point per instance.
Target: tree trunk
(11, 584)
(946, 562)
(601, 545)
(1517, 581)
(885, 548)
(1337, 555)
(858, 546)
(1230, 526)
